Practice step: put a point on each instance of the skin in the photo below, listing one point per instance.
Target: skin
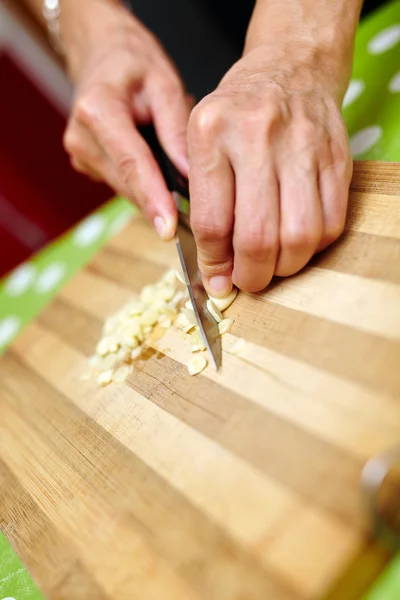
(266, 153)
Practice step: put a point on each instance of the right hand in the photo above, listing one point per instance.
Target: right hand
(124, 79)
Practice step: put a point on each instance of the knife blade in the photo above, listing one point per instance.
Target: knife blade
(186, 247)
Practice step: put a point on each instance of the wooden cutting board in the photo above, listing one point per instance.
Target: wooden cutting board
(242, 485)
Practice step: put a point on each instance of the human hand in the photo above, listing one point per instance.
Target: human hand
(270, 167)
(124, 79)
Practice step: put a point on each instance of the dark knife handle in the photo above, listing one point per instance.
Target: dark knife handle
(174, 180)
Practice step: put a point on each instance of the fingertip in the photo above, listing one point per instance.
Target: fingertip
(165, 226)
(218, 285)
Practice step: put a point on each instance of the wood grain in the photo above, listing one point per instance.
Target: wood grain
(238, 485)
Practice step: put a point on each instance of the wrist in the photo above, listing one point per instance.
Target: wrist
(84, 27)
(318, 35)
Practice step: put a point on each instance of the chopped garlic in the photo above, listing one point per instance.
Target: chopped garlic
(107, 345)
(121, 374)
(223, 303)
(214, 311)
(135, 309)
(179, 275)
(136, 353)
(238, 347)
(147, 294)
(149, 317)
(197, 347)
(189, 305)
(224, 326)
(170, 276)
(190, 316)
(196, 364)
(182, 321)
(105, 377)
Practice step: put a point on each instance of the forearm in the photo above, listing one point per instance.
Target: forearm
(324, 28)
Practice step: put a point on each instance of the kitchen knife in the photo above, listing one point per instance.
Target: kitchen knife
(186, 247)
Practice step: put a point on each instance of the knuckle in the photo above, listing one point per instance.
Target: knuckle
(206, 121)
(72, 142)
(208, 232)
(127, 169)
(85, 111)
(256, 245)
(297, 238)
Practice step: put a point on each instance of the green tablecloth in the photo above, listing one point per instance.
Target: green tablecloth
(372, 113)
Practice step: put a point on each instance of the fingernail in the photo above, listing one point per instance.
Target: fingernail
(159, 226)
(165, 227)
(220, 285)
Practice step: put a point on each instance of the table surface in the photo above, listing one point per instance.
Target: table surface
(243, 484)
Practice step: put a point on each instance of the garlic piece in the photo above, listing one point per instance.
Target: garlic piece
(180, 277)
(136, 353)
(121, 374)
(223, 303)
(105, 377)
(149, 317)
(224, 326)
(214, 311)
(197, 347)
(189, 305)
(196, 364)
(238, 347)
(170, 276)
(148, 294)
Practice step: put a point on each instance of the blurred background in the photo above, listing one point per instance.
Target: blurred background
(40, 195)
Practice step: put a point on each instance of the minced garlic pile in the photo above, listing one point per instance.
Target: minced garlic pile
(164, 304)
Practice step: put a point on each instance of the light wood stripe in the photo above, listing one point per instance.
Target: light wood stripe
(61, 572)
(358, 301)
(176, 530)
(369, 256)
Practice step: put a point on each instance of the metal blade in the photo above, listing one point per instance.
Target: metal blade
(187, 251)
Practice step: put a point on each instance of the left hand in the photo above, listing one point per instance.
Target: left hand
(270, 167)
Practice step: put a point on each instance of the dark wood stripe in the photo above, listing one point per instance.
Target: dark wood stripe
(62, 575)
(132, 272)
(75, 327)
(184, 537)
(361, 574)
(355, 355)
(383, 180)
(277, 447)
(374, 257)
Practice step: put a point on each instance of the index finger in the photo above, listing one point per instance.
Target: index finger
(135, 171)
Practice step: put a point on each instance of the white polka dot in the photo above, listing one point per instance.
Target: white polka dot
(394, 85)
(9, 328)
(355, 89)
(364, 140)
(89, 230)
(119, 223)
(385, 40)
(8, 598)
(20, 280)
(50, 277)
